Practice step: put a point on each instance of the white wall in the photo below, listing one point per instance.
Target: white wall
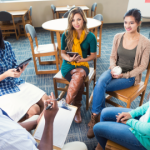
(112, 10)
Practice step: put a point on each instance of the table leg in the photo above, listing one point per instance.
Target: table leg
(87, 13)
(24, 26)
(59, 46)
(52, 36)
(57, 15)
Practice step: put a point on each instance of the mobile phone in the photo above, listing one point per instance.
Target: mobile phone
(71, 54)
(23, 63)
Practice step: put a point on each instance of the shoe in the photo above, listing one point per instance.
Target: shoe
(93, 121)
(98, 147)
(77, 117)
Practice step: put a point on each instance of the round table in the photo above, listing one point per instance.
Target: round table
(60, 25)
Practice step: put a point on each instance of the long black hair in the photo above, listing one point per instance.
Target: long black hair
(136, 13)
(2, 45)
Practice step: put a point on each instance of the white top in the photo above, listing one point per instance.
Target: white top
(13, 136)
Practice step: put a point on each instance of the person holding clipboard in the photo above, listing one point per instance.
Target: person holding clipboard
(17, 97)
(21, 139)
(75, 43)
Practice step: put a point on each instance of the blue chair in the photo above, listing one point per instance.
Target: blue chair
(100, 18)
(53, 11)
(7, 27)
(93, 9)
(41, 51)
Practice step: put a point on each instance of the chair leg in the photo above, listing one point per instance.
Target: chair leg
(57, 63)
(87, 96)
(55, 87)
(128, 104)
(142, 97)
(35, 65)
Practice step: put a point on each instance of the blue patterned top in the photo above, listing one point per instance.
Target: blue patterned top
(8, 61)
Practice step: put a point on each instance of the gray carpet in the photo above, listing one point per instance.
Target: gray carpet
(22, 51)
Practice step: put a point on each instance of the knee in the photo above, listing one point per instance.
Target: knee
(82, 72)
(33, 110)
(97, 128)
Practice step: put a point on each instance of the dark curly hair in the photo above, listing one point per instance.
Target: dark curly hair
(2, 45)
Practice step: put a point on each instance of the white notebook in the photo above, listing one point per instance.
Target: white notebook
(61, 126)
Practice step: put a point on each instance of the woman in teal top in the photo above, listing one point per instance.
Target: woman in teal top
(77, 39)
(124, 126)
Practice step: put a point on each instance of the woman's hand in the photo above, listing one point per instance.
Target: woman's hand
(123, 117)
(116, 76)
(11, 73)
(74, 58)
(81, 60)
(50, 113)
(18, 74)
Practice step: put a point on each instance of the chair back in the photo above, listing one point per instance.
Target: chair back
(94, 59)
(30, 29)
(30, 9)
(67, 13)
(5, 16)
(147, 74)
(93, 9)
(53, 10)
(98, 17)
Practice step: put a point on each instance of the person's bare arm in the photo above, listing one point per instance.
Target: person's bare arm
(29, 125)
(46, 142)
(89, 58)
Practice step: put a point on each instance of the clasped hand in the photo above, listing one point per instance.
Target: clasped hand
(116, 76)
(75, 58)
(123, 117)
(14, 73)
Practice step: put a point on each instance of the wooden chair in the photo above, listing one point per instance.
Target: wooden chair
(53, 11)
(7, 27)
(93, 9)
(129, 94)
(28, 20)
(114, 146)
(58, 78)
(99, 39)
(41, 51)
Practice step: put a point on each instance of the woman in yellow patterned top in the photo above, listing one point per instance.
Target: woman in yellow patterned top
(77, 39)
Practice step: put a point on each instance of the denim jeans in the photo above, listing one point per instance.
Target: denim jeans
(119, 133)
(107, 83)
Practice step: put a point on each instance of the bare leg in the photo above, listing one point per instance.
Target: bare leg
(33, 110)
(41, 102)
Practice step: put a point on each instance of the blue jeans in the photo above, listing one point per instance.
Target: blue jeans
(107, 83)
(119, 133)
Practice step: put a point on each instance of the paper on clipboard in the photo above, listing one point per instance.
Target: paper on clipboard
(61, 126)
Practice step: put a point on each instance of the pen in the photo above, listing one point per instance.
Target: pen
(50, 106)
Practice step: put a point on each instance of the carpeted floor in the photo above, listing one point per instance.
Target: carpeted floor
(22, 51)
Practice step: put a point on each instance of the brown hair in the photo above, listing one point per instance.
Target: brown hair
(69, 30)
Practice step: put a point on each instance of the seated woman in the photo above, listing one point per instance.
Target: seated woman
(17, 97)
(124, 126)
(131, 52)
(78, 39)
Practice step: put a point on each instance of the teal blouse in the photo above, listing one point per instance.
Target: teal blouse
(141, 130)
(89, 43)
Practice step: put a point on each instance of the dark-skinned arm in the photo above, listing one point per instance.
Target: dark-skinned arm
(46, 142)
